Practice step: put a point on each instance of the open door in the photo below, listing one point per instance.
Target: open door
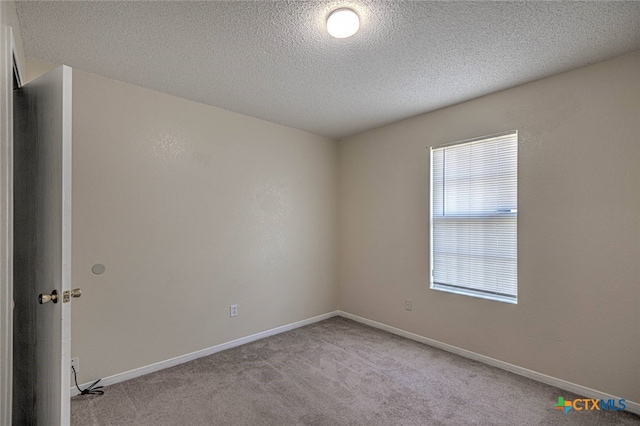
(42, 250)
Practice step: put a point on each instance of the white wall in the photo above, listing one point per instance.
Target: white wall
(578, 311)
(191, 208)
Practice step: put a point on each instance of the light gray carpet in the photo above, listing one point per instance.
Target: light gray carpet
(335, 372)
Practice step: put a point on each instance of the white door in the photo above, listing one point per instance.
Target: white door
(42, 249)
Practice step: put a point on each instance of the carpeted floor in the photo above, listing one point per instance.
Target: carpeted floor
(335, 372)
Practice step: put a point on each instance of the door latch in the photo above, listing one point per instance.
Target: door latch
(68, 294)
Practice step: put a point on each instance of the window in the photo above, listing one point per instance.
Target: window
(474, 217)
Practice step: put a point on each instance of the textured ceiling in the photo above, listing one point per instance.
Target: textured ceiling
(274, 59)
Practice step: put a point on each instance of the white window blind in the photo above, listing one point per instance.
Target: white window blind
(474, 217)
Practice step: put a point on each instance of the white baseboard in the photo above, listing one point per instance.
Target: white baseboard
(137, 372)
(632, 407)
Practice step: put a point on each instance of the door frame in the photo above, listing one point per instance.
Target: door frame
(10, 69)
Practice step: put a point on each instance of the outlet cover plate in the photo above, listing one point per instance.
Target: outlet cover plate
(408, 305)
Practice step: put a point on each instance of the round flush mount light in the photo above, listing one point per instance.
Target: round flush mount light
(343, 23)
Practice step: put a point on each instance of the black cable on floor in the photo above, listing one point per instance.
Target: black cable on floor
(89, 390)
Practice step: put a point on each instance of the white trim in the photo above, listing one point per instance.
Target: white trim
(9, 56)
(137, 372)
(16, 65)
(632, 407)
(476, 139)
(65, 279)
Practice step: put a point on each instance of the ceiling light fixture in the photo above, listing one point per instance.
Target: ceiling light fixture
(343, 23)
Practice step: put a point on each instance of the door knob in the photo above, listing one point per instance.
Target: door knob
(76, 292)
(45, 298)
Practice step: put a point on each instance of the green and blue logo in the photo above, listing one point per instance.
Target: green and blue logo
(587, 404)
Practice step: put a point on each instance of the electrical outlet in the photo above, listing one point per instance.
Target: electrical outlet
(408, 305)
(233, 311)
(75, 363)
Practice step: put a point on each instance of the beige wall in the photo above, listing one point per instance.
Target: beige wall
(191, 208)
(36, 68)
(578, 312)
